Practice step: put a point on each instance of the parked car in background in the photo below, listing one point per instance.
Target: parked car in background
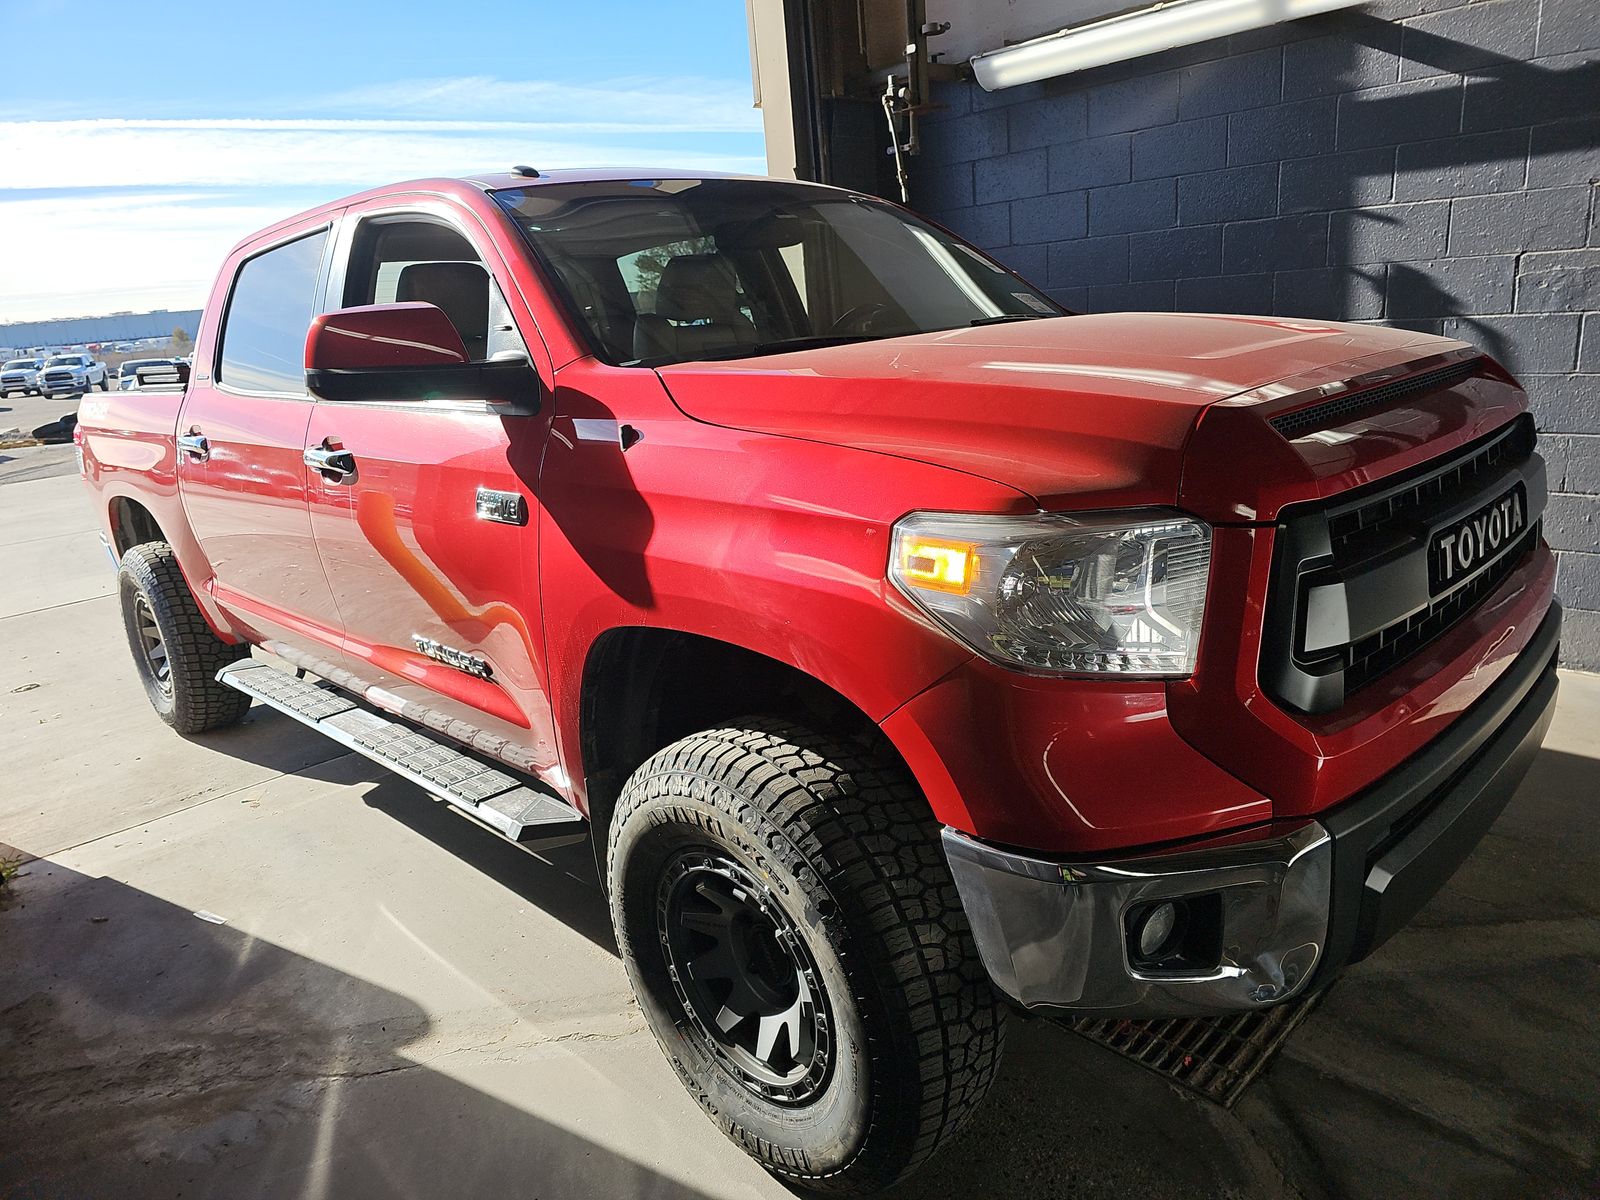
(128, 372)
(20, 375)
(73, 375)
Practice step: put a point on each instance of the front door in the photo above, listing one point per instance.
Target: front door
(241, 438)
(429, 542)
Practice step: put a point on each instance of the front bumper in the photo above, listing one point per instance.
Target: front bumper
(1294, 901)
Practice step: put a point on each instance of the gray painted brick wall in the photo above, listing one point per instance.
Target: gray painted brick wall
(1428, 163)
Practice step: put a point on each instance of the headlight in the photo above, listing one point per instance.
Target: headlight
(1107, 593)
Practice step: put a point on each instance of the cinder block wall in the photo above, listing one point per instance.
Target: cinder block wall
(1426, 163)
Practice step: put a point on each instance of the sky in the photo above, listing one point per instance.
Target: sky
(139, 143)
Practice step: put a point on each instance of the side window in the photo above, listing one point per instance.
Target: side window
(264, 332)
(411, 258)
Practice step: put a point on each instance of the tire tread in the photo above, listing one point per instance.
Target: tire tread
(194, 652)
(855, 817)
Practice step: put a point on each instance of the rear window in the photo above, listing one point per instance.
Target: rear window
(264, 331)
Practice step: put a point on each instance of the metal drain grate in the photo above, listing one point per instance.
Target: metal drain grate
(1214, 1057)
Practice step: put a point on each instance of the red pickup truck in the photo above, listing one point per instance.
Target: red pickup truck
(911, 649)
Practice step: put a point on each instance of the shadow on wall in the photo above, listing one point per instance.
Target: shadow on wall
(149, 1053)
(1462, 123)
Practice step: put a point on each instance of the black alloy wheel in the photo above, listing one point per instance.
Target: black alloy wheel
(789, 925)
(152, 646)
(744, 977)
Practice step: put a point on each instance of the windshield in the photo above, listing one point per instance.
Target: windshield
(133, 364)
(675, 270)
(66, 360)
(26, 363)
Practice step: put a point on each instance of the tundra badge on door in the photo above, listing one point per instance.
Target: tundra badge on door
(472, 664)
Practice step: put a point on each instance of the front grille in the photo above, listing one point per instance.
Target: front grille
(1332, 412)
(1351, 530)
(1379, 654)
(1364, 556)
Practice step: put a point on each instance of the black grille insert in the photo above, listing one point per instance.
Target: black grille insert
(1331, 412)
(1362, 559)
(1352, 529)
(1375, 656)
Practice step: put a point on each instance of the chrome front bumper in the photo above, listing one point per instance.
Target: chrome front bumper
(1289, 901)
(1056, 934)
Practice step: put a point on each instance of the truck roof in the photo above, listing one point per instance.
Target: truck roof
(493, 181)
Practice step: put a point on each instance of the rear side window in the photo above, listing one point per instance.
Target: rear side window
(264, 332)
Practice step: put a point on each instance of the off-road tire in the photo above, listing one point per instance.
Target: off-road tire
(105, 383)
(841, 839)
(190, 699)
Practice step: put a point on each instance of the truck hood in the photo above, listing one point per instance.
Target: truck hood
(1082, 411)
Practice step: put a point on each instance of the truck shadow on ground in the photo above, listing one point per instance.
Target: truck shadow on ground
(1459, 1060)
(1066, 1117)
(153, 1054)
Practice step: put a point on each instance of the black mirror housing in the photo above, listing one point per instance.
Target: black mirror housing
(510, 387)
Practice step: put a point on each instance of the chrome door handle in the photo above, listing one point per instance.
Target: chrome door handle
(336, 466)
(195, 446)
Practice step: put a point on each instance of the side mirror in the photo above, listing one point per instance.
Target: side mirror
(409, 351)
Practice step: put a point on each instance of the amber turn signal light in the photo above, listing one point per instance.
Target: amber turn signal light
(939, 565)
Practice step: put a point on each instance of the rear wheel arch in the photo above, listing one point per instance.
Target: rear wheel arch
(132, 524)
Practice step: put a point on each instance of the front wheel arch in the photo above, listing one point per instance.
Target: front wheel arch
(645, 687)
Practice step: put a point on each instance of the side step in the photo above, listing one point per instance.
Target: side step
(499, 800)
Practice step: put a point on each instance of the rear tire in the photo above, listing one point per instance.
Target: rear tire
(770, 876)
(105, 384)
(174, 651)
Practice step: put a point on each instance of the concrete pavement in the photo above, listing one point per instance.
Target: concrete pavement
(396, 1003)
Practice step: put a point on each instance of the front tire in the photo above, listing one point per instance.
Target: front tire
(174, 651)
(792, 932)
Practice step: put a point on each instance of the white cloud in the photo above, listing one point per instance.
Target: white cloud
(106, 253)
(98, 252)
(709, 105)
(275, 153)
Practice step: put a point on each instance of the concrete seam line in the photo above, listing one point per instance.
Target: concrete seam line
(52, 607)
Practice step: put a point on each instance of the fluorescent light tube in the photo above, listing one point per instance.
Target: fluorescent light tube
(1134, 35)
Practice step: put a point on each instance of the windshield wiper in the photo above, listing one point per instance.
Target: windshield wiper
(1004, 317)
(809, 341)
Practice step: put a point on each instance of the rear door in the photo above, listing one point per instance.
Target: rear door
(430, 544)
(241, 437)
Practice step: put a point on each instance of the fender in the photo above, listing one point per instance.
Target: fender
(642, 536)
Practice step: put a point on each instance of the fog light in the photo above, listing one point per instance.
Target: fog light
(1156, 929)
